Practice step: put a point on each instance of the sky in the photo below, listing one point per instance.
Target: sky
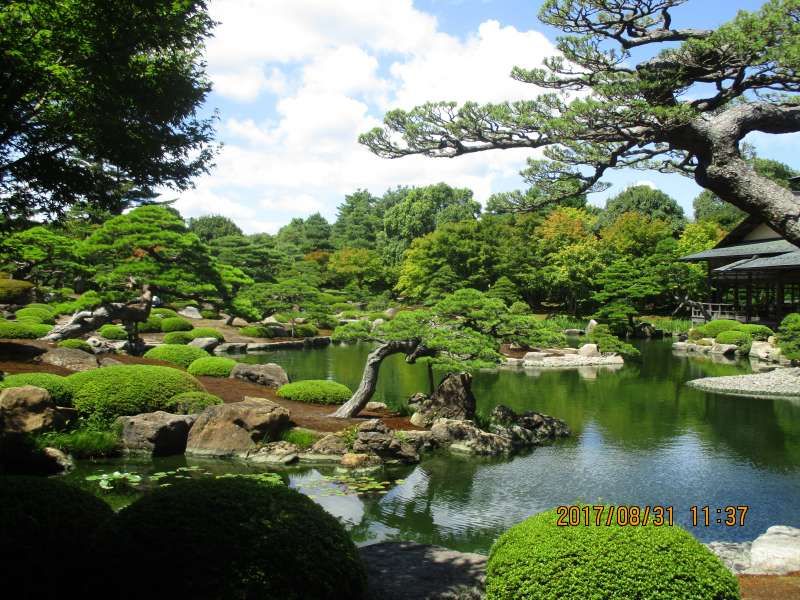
(296, 81)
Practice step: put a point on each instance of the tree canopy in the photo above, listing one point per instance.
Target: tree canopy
(647, 201)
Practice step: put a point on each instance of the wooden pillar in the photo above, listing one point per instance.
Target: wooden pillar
(749, 307)
(779, 297)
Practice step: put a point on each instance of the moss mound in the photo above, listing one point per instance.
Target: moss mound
(178, 337)
(23, 330)
(189, 403)
(305, 330)
(59, 388)
(713, 328)
(788, 336)
(76, 344)
(152, 325)
(741, 339)
(206, 332)
(176, 354)
(14, 290)
(212, 366)
(760, 333)
(539, 559)
(42, 315)
(113, 332)
(175, 324)
(104, 394)
(165, 313)
(316, 390)
(257, 331)
(231, 538)
(39, 517)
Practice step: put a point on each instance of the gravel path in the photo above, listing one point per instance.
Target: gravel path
(779, 382)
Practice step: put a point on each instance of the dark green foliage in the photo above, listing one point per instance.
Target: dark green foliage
(210, 227)
(163, 312)
(30, 331)
(188, 403)
(505, 290)
(352, 332)
(212, 366)
(530, 332)
(84, 442)
(44, 315)
(86, 301)
(59, 388)
(39, 516)
(789, 336)
(318, 391)
(104, 394)
(76, 344)
(169, 324)
(178, 337)
(113, 332)
(257, 331)
(539, 559)
(206, 332)
(737, 337)
(176, 354)
(14, 290)
(276, 543)
(608, 342)
(759, 333)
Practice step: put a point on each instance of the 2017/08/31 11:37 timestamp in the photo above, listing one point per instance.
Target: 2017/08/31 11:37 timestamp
(640, 516)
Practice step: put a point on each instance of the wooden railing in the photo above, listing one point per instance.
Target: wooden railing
(705, 311)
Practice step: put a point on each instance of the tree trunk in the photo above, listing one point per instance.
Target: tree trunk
(370, 377)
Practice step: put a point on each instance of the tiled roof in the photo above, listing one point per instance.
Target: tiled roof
(766, 247)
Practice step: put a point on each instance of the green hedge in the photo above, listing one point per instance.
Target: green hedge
(42, 314)
(104, 394)
(175, 324)
(789, 336)
(176, 354)
(212, 366)
(76, 344)
(165, 313)
(230, 538)
(27, 331)
(189, 403)
(713, 328)
(59, 388)
(14, 290)
(759, 333)
(41, 517)
(539, 559)
(320, 391)
(738, 338)
(178, 337)
(113, 332)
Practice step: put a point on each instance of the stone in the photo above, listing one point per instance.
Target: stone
(231, 348)
(190, 312)
(60, 461)
(99, 346)
(374, 437)
(573, 332)
(734, 555)
(207, 343)
(270, 320)
(320, 459)
(353, 460)
(569, 351)
(373, 406)
(765, 351)
(20, 456)
(330, 444)
(158, 433)
(268, 374)
(391, 313)
(527, 429)
(464, 436)
(512, 362)
(239, 322)
(776, 552)
(69, 358)
(376, 323)
(107, 361)
(27, 409)
(453, 399)
(274, 453)
(422, 440)
(679, 346)
(235, 429)
(568, 361)
(589, 350)
(724, 348)
(590, 326)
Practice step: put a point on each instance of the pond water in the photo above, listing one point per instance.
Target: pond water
(640, 436)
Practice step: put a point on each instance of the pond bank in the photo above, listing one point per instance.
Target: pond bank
(780, 382)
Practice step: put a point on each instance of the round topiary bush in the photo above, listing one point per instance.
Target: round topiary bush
(316, 390)
(788, 336)
(540, 559)
(206, 332)
(22, 330)
(152, 325)
(59, 388)
(176, 354)
(305, 330)
(713, 328)
(76, 344)
(40, 516)
(212, 366)
(741, 339)
(178, 337)
(253, 540)
(105, 394)
(113, 332)
(256, 331)
(165, 313)
(44, 315)
(760, 333)
(175, 324)
(210, 314)
(189, 403)
(14, 290)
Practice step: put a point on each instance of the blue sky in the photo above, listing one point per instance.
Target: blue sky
(295, 82)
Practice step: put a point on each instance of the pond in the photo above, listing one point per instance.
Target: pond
(640, 436)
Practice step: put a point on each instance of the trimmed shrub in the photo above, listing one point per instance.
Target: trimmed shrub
(206, 332)
(178, 337)
(76, 344)
(59, 388)
(760, 333)
(713, 328)
(40, 306)
(86, 442)
(113, 332)
(26, 331)
(212, 366)
(152, 325)
(305, 330)
(210, 314)
(789, 336)
(351, 332)
(276, 543)
(164, 313)
(176, 354)
(302, 438)
(14, 290)
(105, 394)
(608, 342)
(539, 559)
(258, 331)
(175, 324)
(320, 391)
(40, 516)
(44, 315)
(189, 403)
(741, 339)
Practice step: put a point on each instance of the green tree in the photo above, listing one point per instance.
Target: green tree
(357, 266)
(211, 227)
(42, 256)
(256, 255)
(625, 286)
(635, 234)
(358, 221)
(684, 107)
(302, 236)
(645, 200)
(100, 102)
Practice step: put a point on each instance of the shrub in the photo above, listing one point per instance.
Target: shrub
(305, 330)
(212, 366)
(176, 354)
(789, 336)
(175, 324)
(608, 342)
(14, 290)
(40, 516)
(177, 337)
(76, 344)
(164, 313)
(44, 315)
(59, 388)
(320, 391)
(85, 442)
(302, 438)
(189, 403)
(210, 314)
(539, 559)
(27, 331)
(741, 339)
(713, 328)
(104, 394)
(258, 331)
(520, 308)
(759, 333)
(206, 332)
(351, 332)
(338, 307)
(40, 306)
(276, 543)
(152, 325)
(113, 332)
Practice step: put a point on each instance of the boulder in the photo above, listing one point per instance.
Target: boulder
(190, 312)
(777, 551)
(573, 332)
(269, 374)
(590, 326)
(330, 444)
(237, 428)
(453, 399)
(724, 348)
(207, 343)
(463, 436)
(374, 437)
(69, 358)
(107, 361)
(239, 322)
(765, 351)
(231, 348)
(274, 453)
(99, 345)
(391, 313)
(158, 433)
(270, 320)
(28, 409)
(589, 350)
(376, 323)
(353, 460)
(58, 460)
(527, 429)
(20, 456)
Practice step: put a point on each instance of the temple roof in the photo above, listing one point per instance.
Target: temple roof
(747, 249)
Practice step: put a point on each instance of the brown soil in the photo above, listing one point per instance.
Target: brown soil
(770, 587)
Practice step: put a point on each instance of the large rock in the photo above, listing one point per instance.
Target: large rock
(776, 551)
(453, 399)
(269, 374)
(374, 437)
(190, 312)
(231, 348)
(590, 326)
(726, 349)
(330, 444)
(464, 436)
(158, 433)
(27, 409)
(206, 343)
(239, 322)
(765, 351)
(527, 429)
(589, 350)
(359, 461)
(99, 345)
(237, 428)
(275, 453)
(69, 358)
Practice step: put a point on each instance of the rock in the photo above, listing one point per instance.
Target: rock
(568, 361)
(765, 351)
(99, 346)
(376, 323)
(190, 312)
(69, 358)
(573, 332)
(320, 459)
(453, 399)
(772, 340)
(107, 361)
(274, 453)
(512, 362)
(374, 437)
(724, 348)
(235, 429)
(231, 348)
(527, 429)
(464, 436)
(776, 552)
(589, 350)
(20, 456)
(269, 374)
(270, 320)
(534, 356)
(373, 406)
(391, 313)
(777, 382)
(158, 433)
(207, 343)
(60, 462)
(735, 556)
(679, 346)
(330, 444)
(239, 322)
(590, 326)
(569, 351)
(27, 409)
(422, 440)
(353, 460)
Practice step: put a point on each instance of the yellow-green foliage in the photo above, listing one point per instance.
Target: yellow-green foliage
(164, 312)
(178, 337)
(206, 332)
(176, 354)
(175, 324)
(738, 338)
(713, 328)
(85, 442)
(760, 333)
(59, 389)
(23, 330)
(539, 559)
(302, 438)
(113, 332)
(43, 315)
(789, 336)
(14, 290)
(189, 403)
(212, 366)
(316, 390)
(75, 344)
(257, 331)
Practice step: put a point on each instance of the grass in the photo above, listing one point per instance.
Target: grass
(668, 324)
(566, 321)
(302, 438)
(84, 442)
